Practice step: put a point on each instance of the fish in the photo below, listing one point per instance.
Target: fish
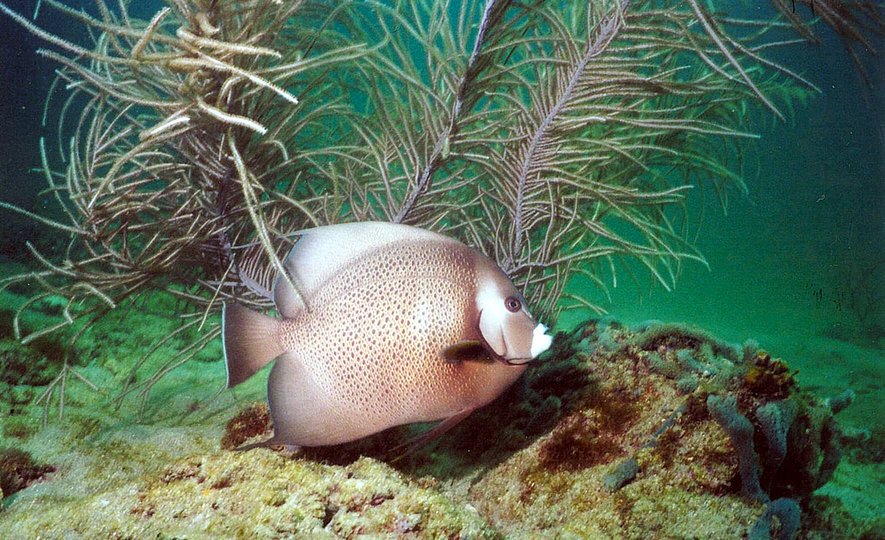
(381, 325)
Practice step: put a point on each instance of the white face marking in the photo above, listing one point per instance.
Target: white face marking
(540, 340)
(489, 300)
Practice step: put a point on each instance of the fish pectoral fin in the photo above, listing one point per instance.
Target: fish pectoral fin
(466, 351)
(250, 341)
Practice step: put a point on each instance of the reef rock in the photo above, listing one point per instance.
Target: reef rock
(614, 433)
(259, 494)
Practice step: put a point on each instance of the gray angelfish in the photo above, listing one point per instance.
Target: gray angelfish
(404, 325)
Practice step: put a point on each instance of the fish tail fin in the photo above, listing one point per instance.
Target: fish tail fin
(250, 340)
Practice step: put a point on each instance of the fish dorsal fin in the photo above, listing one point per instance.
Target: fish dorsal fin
(466, 351)
(322, 252)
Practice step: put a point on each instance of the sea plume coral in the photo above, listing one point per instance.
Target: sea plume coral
(157, 183)
(557, 137)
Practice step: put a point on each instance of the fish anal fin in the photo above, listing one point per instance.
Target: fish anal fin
(430, 435)
(466, 351)
(251, 340)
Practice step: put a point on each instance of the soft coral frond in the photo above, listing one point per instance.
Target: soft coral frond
(559, 137)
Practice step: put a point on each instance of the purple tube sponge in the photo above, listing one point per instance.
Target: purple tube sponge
(740, 431)
(775, 419)
(788, 516)
(838, 402)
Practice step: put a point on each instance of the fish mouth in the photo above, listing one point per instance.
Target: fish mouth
(517, 361)
(540, 343)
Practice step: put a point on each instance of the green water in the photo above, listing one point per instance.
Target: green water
(796, 264)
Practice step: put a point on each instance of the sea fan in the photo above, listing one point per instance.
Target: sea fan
(561, 136)
(557, 137)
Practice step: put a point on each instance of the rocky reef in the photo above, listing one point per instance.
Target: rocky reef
(617, 432)
(661, 428)
(260, 494)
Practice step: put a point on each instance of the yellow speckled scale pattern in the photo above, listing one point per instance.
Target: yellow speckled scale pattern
(368, 351)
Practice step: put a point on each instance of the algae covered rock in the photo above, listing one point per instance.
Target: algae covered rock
(640, 450)
(23, 365)
(259, 494)
(602, 438)
(18, 470)
(253, 421)
(630, 456)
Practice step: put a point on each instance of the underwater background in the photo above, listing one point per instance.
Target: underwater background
(797, 264)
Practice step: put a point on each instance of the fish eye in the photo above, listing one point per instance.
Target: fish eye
(512, 304)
